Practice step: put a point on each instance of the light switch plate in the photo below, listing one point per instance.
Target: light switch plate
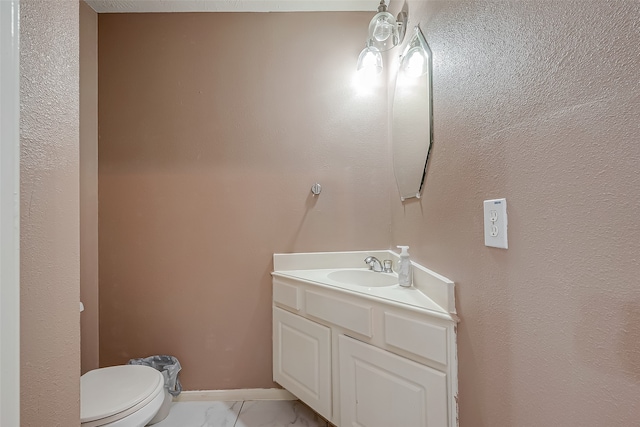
(495, 223)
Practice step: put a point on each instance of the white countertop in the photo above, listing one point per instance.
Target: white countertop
(404, 295)
(430, 291)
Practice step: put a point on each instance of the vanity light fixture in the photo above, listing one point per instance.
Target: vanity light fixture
(415, 59)
(385, 31)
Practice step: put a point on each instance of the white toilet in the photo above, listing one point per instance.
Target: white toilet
(120, 396)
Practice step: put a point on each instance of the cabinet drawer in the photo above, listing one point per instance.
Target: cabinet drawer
(286, 295)
(420, 338)
(354, 317)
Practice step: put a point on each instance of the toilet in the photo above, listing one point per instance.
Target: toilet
(120, 396)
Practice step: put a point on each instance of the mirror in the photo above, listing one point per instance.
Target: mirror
(412, 117)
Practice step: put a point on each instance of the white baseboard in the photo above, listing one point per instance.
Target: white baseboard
(234, 395)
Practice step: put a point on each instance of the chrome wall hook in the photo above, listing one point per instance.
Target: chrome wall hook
(316, 189)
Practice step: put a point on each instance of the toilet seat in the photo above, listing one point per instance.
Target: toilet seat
(111, 396)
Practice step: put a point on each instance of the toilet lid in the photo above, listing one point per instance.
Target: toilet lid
(108, 391)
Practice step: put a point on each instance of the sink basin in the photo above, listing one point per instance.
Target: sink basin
(366, 278)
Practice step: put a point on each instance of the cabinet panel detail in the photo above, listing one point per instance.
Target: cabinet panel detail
(423, 339)
(381, 389)
(302, 359)
(339, 312)
(286, 295)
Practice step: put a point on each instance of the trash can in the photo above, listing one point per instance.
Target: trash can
(169, 366)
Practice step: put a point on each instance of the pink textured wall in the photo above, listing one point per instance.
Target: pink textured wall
(537, 102)
(213, 128)
(49, 252)
(89, 330)
(206, 159)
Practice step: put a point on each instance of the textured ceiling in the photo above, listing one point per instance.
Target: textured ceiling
(132, 6)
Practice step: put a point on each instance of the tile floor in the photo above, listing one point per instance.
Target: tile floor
(250, 413)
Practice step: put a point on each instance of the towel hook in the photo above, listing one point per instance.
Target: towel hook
(316, 189)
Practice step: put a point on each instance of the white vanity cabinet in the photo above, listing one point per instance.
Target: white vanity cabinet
(363, 361)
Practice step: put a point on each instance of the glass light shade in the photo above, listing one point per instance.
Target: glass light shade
(384, 24)
(414, 63)
(370, 60)
(383, 30)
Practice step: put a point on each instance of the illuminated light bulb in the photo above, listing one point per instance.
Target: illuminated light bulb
(370, 60)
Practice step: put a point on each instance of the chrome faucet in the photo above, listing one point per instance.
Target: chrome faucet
(373, 263)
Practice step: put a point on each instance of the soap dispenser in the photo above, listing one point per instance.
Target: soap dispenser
(405, 276)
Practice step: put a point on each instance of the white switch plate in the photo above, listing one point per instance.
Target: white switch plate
(495, 223)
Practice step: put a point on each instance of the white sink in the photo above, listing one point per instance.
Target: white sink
(366, 278)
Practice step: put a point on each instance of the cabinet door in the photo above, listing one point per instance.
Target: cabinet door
(302, 359)
(381, 389)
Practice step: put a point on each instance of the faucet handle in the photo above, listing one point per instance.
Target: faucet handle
(387, 266)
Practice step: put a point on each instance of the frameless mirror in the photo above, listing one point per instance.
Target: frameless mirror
(412, 119)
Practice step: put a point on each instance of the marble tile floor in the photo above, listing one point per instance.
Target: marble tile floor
(248, 413)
